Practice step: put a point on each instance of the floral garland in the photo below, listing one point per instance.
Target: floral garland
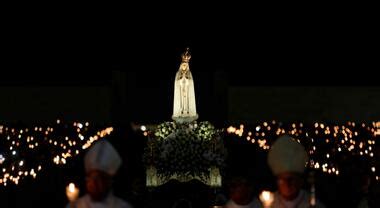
(185, 149)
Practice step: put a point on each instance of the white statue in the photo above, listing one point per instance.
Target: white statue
(184, 109)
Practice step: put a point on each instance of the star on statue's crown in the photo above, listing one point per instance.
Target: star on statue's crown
(186, 56)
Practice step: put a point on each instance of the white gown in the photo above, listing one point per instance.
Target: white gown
(184, 109)
(232, 204)
(302, 201)
(110, 202)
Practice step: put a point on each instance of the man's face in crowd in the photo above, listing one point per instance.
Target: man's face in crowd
(241, 193)
(289, 185)
(98, 184)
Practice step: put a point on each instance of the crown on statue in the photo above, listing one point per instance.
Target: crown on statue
(186, 56)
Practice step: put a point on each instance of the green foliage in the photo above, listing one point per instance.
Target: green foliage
(185, 149)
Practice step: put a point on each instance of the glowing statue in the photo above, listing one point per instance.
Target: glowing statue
(184, 109)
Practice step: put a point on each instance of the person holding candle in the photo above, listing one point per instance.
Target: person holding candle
(101, 163)
(287, 159)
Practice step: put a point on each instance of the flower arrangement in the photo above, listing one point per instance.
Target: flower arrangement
(188, 149)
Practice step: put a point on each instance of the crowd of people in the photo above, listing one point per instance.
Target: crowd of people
(111, 174)
(290, 185)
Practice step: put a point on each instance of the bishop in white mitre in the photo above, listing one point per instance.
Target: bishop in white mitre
(184, 109)
(287, 159)
(101, 162)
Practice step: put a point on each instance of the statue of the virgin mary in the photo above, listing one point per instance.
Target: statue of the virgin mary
(184, 109)
(184, 112)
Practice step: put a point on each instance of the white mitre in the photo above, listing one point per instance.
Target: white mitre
(287, 155)
(102, 156)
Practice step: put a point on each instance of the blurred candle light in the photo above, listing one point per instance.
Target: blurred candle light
(72, 192)
(266, 198)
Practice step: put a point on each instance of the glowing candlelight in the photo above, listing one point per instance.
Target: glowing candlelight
(266, 197)
(72, 192)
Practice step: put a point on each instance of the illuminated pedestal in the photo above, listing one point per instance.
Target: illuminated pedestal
(154, 180)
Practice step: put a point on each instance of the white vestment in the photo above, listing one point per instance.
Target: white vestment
(232, 204)
(110, 201)
(301, 201)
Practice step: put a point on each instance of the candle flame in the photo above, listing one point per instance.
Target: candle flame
(266, 197)
(72, 187)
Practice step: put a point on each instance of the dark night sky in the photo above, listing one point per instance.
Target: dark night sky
(276, 49)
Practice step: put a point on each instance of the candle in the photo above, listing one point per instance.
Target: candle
(312, 196)
(266, 197)
(72, 192)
